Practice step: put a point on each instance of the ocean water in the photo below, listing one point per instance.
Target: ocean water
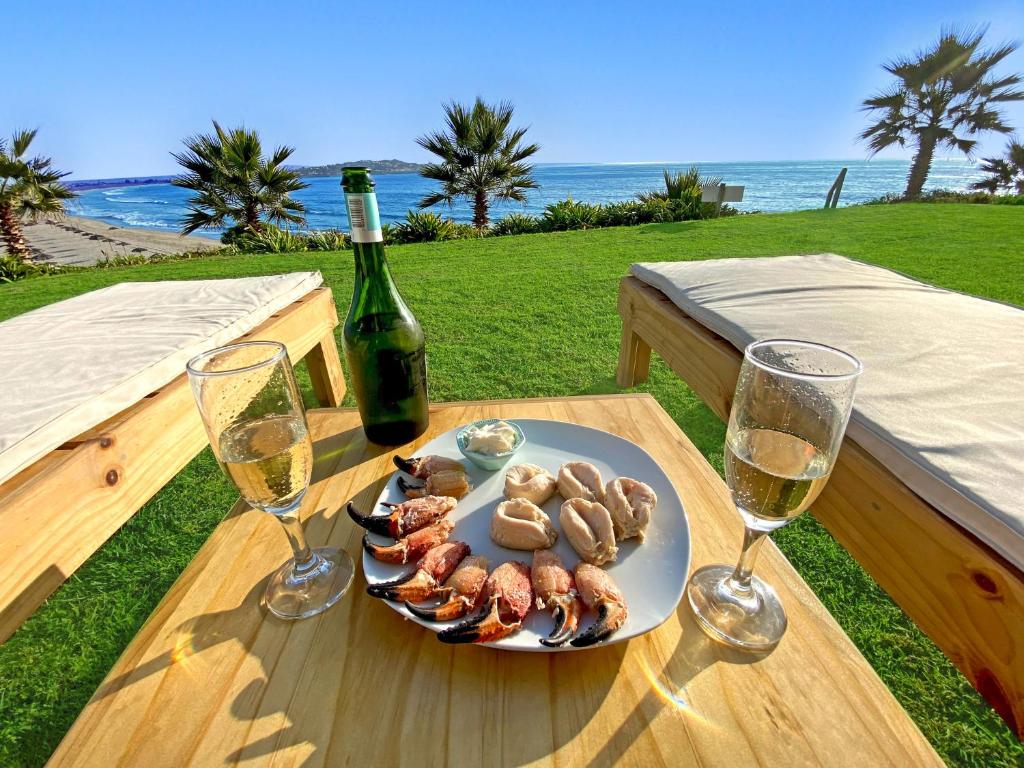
(770, 187)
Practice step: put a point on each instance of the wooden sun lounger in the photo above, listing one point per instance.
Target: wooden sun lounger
(968, 599)
(57, 512)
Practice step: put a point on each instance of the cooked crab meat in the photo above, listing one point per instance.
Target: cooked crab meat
(521, 524)
(426, 581)
(600, 594)
(464, 590)
(425, 466)
(580, 480)
(447, 482)
(413, 546)
(630, 504)
(406, 517)
(588, 527)
(530, 482)
(509, 599)
(555, 590)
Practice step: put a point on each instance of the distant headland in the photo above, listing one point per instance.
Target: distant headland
(334, 169)
(375, 166)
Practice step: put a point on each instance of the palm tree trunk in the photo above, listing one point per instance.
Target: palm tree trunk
(480, 210)
(920, 167)
(10, 230)
(252, 218)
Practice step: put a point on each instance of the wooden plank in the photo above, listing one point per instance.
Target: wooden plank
(212, 679)
(325, 371)
(54, 515)
(965, 597)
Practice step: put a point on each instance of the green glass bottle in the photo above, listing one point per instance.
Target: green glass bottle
(384, 343)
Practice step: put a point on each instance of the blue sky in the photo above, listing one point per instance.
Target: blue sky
(115, 86)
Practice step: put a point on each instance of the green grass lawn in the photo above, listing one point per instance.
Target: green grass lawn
(520, 317)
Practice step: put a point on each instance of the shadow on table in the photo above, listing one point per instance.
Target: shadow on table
(694, 653)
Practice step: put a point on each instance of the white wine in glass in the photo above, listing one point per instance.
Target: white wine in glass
(793, 401)
(253, 414)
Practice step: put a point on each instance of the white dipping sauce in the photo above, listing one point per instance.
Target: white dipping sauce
(491, 439)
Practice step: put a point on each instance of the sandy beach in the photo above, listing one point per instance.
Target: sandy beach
(80, 241)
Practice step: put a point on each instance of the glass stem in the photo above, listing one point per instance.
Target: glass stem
(304, 558)
(740, 579)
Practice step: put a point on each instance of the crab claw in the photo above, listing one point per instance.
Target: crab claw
(555, 589)
(599, 593)
(412, 547)
(509, 599)
(448, 482)
(464, 590)
(425, 582)
(424, 466)
(405, 518)
(566, 613)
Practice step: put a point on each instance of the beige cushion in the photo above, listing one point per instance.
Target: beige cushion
(72, 365)
(940, 400)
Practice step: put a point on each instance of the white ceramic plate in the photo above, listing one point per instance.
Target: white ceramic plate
(651, 575)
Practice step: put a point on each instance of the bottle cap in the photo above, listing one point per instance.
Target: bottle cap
(356, 179)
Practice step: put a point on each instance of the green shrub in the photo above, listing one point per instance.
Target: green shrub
(425, 227)
(12, 268)
(569, 214)
(327, 240)
(1008, 200)
(269, 239)
(515, 224)
(467, 232)
(949, 196)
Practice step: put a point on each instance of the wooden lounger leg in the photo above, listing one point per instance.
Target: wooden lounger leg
(634, 352)
(325, 371)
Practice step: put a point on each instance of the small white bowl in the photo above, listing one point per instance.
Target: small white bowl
(490, 462)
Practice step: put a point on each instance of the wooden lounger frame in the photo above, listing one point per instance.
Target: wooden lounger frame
(57, 512)
(967, 598)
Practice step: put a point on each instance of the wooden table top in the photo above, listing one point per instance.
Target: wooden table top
(212, 679)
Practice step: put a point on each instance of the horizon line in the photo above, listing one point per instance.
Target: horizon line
(71, 175)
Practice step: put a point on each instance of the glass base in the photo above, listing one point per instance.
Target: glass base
(751, 619)
(293, 594)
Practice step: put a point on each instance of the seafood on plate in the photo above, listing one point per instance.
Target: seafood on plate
(555, 589)
(509, 599)
(442, 477)
(521, 524)
(600, 594)
(580, 480)
(462, 593)
(424, 466)
(447, 482)
(432, 570)
(630, 504)
(588, 527)
(530, 482)
(405, 518)
(413, 546)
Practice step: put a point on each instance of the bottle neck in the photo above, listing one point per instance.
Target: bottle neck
(374, 291)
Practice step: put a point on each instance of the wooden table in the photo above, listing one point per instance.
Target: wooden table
(212, 679)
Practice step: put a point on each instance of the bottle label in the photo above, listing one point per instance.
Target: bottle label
(363, 217)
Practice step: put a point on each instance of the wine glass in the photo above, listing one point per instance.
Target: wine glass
(252, 411)
(793, 400)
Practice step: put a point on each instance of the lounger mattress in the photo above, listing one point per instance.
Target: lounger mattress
(70, 366)
(940, 400)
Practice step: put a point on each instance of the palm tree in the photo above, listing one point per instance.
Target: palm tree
(235, 183)
(942, 96)
(1004, 173)
(481, 158)
(29, 189)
